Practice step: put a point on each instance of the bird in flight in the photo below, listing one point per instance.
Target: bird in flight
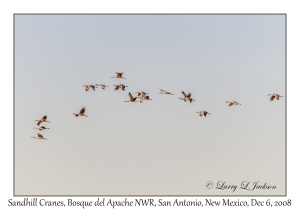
(87, 87)
(39, 136)
(201, 113)
(81, 113)
(44, 119)
(102, 86)
(132, 99)
(144, 97)
(119, 75)
(141, 93)
(120, 86)
(41, 128)
(186, 97)
(165, 92)
(274, 95)
(232, 103)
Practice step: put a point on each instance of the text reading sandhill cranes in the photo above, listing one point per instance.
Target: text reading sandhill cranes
(151, 202)
(141, 95)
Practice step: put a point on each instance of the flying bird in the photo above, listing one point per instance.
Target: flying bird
(165, 92)
(144, 97)
(120, 86)
(87, 87)
(39, 136)
(41, 128)
(186, 97)
(132, 99)
(232, 103)
(141, 93)
(201, 113)
(119, 75)
(44, 119)
(102, 86)
(274, 95)
(81, 113)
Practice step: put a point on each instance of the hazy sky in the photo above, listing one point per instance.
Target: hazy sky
(159, 147)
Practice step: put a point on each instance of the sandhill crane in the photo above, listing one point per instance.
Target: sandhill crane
(274, 95)
(123, 87)
(201, 113)
(144, 97)
(165, 92)
(102, 86)
(232, 103)
(87, 87)
(120, 86)
(44, 119)
(39, 136)
(41, 128)
(187, 97)
(132, 99)
(81, 113)
(141, 93)
(119, 75)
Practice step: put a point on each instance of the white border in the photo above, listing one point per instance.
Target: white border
(8, 8)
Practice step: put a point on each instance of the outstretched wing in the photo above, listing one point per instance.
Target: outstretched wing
(40, 135)
(82, 110)
(39, 122)
(272, 98)
(183, 94)
(130, 96)
(189, 95)
(44, 118)
(117, 87)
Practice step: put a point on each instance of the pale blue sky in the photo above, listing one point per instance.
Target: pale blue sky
(160, 147)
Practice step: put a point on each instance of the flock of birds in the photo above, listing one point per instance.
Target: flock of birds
(40, 136)
(142, 96)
